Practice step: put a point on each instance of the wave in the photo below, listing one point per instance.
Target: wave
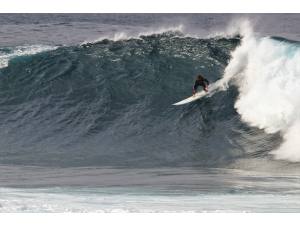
(109, 103)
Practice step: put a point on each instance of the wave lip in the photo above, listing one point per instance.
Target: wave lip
(7, 54)
(118, 36)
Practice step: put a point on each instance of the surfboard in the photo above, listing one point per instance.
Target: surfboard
(212, 89)
(193, 98)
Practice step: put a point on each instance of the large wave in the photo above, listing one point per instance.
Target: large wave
(109, 103)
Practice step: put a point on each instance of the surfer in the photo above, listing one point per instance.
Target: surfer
(200, 81)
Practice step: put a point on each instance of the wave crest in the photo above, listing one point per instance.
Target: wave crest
(267, 73)
(7, 54)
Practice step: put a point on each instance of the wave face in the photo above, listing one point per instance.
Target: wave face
(110, 103)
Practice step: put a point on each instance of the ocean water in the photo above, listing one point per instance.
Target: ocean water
(88, 125)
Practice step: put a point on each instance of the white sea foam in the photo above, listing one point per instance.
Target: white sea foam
(59, 200)
(22, 51)
(267, 74)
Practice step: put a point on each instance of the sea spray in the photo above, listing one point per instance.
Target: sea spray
(267, 74)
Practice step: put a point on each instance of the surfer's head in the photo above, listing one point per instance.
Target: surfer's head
(199, 77)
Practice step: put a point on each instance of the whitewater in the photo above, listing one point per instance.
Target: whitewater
(88, 123)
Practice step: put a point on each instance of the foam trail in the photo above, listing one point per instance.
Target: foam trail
(267, 74)
(22, 51)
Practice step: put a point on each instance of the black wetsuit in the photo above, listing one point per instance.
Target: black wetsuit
(202, 82)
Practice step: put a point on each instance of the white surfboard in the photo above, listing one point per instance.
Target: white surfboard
(194, 97)
(211, 90)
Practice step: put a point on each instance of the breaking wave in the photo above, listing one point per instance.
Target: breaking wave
(109, 103)
(267, 74)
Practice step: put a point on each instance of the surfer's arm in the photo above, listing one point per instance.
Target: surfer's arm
(207, 82)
